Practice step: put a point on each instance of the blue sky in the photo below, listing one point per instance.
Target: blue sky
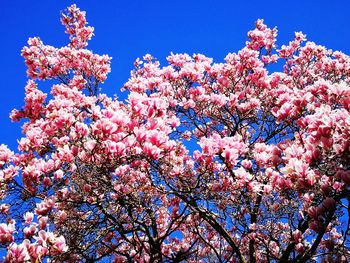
(126, 30)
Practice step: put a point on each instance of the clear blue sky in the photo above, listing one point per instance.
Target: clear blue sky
(129, 29)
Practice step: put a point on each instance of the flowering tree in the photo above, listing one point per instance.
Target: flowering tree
(204, 162)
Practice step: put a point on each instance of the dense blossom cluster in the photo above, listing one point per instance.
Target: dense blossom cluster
(204, 162)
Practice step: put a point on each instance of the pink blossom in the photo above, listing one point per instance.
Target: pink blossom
(17, 253)
(29, 231)
(28, 217)
(45, 207)
(6, 232)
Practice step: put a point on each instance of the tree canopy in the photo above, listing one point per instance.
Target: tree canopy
(204, 162)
